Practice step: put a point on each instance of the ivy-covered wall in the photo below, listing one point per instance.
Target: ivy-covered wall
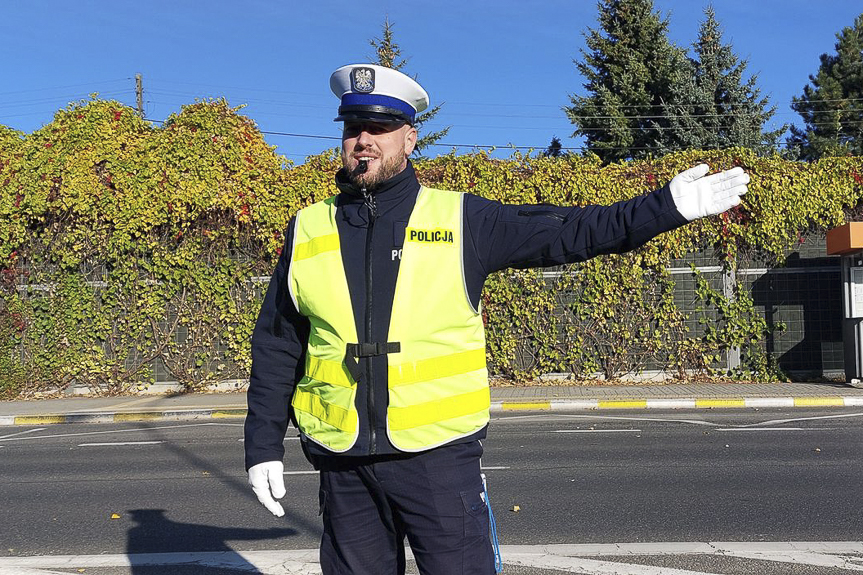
(127, 248)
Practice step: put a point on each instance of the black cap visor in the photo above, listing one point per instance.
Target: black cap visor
(381, 114)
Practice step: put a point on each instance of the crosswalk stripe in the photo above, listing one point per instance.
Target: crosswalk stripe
(28, 571)
(592, 566)
(568, 558)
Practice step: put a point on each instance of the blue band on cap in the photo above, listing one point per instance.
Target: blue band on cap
(351, 99)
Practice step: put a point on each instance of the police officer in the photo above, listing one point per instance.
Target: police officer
(371, 339)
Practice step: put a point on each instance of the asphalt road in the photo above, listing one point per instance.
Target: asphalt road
(615, 478)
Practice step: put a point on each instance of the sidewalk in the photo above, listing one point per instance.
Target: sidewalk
(202, 406)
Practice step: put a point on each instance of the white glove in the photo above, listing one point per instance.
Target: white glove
(268, 481)
(696, 196)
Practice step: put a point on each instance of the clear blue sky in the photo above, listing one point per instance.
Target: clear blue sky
(504, 67)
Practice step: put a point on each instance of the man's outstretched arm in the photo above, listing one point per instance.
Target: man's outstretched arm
(522, 236)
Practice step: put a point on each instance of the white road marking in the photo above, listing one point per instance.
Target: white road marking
(596, 431)
(118, 443)
(608, 417)
(490, 468)
(28, 571)
(813, 418)
(22, 432)
(568, 558)
(790, 554)
(771, 429)
(313, 472)
(618, 549)
(592, 566)
(526, 417)
(294, 438)
(111, 431)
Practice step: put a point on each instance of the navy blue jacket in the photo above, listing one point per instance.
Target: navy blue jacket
(371, 233)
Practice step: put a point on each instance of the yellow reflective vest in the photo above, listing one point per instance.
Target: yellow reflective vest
(437, 379)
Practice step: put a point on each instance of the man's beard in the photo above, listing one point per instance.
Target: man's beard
(388, 168)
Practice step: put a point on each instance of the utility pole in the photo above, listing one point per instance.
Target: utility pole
(139, 92)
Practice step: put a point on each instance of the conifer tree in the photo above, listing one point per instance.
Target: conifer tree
(554, 149)
(629, 69)
(711, 106)
(388, 53)
(832, 104)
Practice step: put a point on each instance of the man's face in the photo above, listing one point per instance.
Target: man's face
(385, 147)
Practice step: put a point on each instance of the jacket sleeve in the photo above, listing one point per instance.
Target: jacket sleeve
(523, 236)
(278, 345)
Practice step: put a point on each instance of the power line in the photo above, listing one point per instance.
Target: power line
(317, 137)
(666, 116)
(786, 143)
(498, 146)
(64, 87)
(245, 100)
(754, 115)
(235, 87)
(468, 103)
(66, 98)
(280, 102)
(453, 145)
(640, 106)
(483, 146)
(508, 116)
(520, 105)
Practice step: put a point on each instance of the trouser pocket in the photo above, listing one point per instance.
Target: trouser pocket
(475, 513)
(322, 500)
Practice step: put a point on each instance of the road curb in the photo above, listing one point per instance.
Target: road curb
(683, 403)
(123, 417)
(498, 406)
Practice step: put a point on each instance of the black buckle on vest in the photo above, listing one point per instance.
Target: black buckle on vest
(356, 350)
(373, 349)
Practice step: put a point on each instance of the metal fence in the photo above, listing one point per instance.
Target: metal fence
(800, 300)
(803, 294)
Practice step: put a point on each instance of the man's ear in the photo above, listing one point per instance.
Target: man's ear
(410, 141)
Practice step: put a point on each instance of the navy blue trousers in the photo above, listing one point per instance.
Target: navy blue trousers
(434, 498)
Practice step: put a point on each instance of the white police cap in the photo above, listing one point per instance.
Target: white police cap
(372, 92)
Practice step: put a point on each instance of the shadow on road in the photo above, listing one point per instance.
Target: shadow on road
(155, 533)
(230, 480)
